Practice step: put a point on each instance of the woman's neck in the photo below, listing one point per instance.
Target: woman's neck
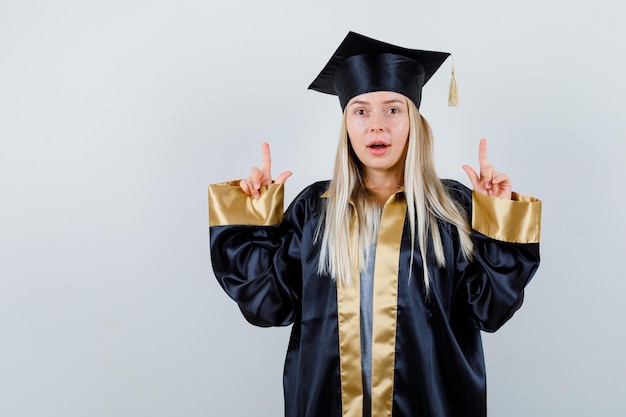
(382, 186)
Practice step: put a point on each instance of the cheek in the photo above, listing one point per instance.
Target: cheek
(351, 141)
(402, 132)
(353, 132)
(351, 124)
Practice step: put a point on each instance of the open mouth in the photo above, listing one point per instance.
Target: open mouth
(378, 148)
(378, 145)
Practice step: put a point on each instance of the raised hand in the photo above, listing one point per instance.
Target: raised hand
(489, 181)
(262, 176)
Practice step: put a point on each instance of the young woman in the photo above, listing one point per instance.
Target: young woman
(386, 272)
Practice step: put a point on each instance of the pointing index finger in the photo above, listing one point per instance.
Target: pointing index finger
(482, 154)
(267, 160)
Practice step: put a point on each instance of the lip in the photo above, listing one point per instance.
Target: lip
(378, 147)
(382, 142)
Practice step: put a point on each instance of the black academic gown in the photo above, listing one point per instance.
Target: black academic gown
(431, 364)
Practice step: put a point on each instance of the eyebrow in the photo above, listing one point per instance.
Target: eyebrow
(365, 102)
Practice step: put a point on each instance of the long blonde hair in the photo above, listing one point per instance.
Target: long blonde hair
(427, 202)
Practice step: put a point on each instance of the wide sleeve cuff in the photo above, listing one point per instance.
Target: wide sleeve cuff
(229, 205)
(516, 221)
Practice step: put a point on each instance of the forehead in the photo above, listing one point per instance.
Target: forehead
(378, 97)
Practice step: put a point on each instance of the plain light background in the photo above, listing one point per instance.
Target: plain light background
(116, 115)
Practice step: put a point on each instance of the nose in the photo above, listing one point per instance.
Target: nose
(376, 122)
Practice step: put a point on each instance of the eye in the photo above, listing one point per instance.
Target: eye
(359, 112)
(393, 110)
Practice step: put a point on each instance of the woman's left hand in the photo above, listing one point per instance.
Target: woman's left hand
(490, 182)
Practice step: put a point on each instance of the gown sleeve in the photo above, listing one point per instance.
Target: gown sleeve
(254, 251)
(506, 256)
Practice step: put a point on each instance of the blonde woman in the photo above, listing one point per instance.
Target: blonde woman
(386, 273)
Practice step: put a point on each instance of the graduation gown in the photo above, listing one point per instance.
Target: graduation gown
(427, 356)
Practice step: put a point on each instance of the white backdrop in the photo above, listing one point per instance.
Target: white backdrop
(116, 115)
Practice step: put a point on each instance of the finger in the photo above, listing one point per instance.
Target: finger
(254, 188)
(482, 154)
(244, 186)
(256, 177)
(472, 175)
(266, 165)
(254, 182)
(499, 178)
(248, 186)
(486, 175)
(502, 183)
(282, 177)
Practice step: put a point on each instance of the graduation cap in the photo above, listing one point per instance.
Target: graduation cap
(362, 65)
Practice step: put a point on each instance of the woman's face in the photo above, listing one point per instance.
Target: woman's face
(378, 128)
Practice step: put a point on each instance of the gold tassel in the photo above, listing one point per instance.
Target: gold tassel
(453, 94)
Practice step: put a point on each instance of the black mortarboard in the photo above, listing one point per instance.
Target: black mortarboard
(362, 65)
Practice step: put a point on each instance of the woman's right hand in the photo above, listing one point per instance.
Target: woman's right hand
(262, 176)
